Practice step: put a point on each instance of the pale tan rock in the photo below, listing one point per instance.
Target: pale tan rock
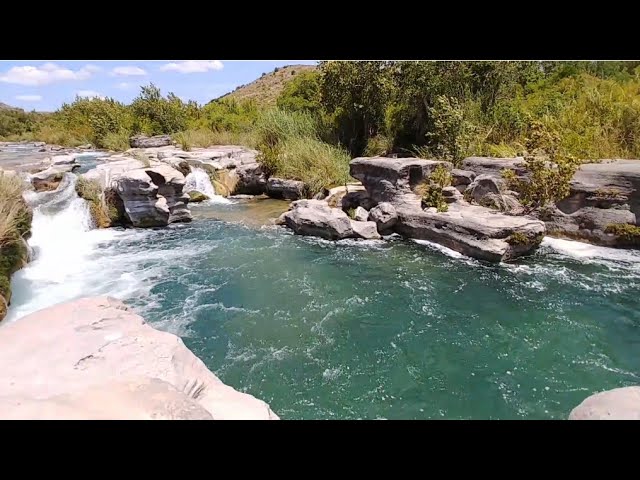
(69, 353)
(616, 404)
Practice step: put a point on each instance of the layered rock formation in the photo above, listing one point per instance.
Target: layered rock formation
(475, 231)
(616, 404)
(142, 141)
(95, 359)
(601, 195)
(153, 196)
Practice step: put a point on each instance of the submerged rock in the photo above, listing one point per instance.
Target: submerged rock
(316, 218)
(153, 196)
(113, 366)
(142, 141)
(473, 231)
(616, 404)
(197, 197)
(286, 189)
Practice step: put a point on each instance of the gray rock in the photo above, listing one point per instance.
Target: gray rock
(601, 194)
(361, 214)
(49, 179)
(451, 195)
(393, 179)
(112, 365)
(251, 180)
(366, 230)
(62, 159)
(503, 203)
(336, 195)
(494, 166)
(153, 196)
(587, 224)
(616, 404)
(482, 185)
(473, 231)
(384, 215)
(316, 218)
(286, 189)
(461, 177)
(142, 141)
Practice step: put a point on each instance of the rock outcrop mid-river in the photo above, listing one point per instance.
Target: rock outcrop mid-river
(93, 358)
(472, 230)
(601, 194)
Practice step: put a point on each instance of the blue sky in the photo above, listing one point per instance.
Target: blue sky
(46, 85)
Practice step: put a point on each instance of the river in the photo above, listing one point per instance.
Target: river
(354, 329)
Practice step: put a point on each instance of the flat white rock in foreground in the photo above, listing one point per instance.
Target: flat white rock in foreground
(95, 359)
(616, 404)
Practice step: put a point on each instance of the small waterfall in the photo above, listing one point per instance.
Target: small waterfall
(62, 241)
(199, 180)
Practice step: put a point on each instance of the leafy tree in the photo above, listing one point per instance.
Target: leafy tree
(154, 114)
(302, 93)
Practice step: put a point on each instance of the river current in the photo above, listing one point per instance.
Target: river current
(353, 329)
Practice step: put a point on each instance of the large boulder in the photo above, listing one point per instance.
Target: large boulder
(286, 189)
(153, 196)
(361, 214)
(347, 196)
(384, 215)
(250, 179)
(616, 404)
(473, 231)
(481, 186)
(142, 141)
(461, 178)
(93, 358)
(316, 218)
(49, 179)
(393, 179)
(366, 230)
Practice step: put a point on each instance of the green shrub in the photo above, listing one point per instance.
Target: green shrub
(15, 215)
(547, 183)
(627, 233)
(518, 238)
(117, 141)
(378, 146)
(431, 189)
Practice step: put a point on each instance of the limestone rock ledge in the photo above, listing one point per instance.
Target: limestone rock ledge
(93, 358)
(617, 404)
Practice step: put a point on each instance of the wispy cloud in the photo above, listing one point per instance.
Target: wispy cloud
(125, 85)
(45, 74)
(29, 98)
(192, 66)
(90, 94)
(128, 71)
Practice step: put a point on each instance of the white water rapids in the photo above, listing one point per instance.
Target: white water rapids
(198, 180)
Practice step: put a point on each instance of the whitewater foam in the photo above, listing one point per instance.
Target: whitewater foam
(198, 180)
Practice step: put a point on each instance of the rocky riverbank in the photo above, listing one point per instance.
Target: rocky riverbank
(113, 366)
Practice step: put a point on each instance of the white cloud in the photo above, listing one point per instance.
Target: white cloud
(129, 71)
(124, 85)
(45, 74)
(192, 66)
(90, 94)
(29, 98)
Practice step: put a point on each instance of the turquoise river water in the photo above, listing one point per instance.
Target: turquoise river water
(356, 329)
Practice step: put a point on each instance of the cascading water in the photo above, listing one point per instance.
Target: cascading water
(199, 180)
(69, 260)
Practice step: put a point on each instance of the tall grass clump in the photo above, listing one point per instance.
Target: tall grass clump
(103, 215)
(317, 164)
(15, 224)
(117, 141)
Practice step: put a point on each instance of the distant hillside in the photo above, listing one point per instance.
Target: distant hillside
(4, 106)
(266, 89)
